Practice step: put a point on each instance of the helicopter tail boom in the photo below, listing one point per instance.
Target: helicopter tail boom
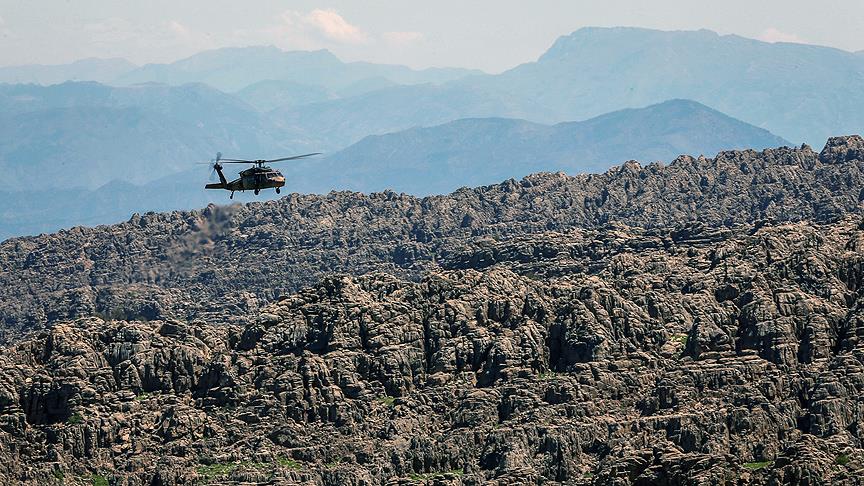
(223, 183)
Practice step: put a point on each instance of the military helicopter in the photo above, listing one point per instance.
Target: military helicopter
(255, 178)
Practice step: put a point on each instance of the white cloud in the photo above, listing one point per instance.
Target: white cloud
(312, 30)
(772, 34)
(334, 26)
(402, 38)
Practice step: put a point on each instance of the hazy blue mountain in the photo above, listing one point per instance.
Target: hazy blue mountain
(801, 92)
(473, 152)
(437, 159)
(92, 69)
(366, 85)
(86, 134)
(265, 95)
(232, 69)
(342, 122)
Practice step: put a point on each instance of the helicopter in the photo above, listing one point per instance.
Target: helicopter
(255, 178)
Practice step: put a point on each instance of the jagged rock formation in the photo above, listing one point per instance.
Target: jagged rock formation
(618, 356)
(188, 264)
(631, 328)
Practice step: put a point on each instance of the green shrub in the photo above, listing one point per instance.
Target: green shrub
(842, 460)
(289, 463)
(388, 401)
(755, 466)
(216, 470)
(679, 338)
(99, 480)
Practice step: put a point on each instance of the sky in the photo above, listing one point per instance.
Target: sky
(492, 35)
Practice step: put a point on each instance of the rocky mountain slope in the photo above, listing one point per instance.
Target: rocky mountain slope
(614, 356)
(182, 263)
(696, 323)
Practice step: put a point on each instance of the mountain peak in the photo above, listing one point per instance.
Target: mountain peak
(616, 36)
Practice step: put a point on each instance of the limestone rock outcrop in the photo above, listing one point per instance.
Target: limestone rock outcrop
(657, 357)
(699, 323)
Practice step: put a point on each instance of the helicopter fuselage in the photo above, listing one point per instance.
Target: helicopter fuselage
(258, 178)
(251, 179)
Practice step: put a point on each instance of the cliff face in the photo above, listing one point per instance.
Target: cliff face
(627, 328)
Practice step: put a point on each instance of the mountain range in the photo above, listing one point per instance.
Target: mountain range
(789, 89)
(87, 134)
(692, 323)
(93, 69)
(420, 161)
(144, 126)
(479, 151)
(803, 93)
(232, 69)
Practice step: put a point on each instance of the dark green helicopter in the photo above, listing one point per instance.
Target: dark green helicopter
(255, 178)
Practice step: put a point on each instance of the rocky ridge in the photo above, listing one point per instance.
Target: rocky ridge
(515, 334)
(616, 356)
(191, 264)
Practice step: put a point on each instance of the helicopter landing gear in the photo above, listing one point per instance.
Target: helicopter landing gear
(278, 191)
(257, 191)
(232, 195)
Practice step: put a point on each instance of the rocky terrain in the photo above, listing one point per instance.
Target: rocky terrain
(190, 264)
(696, 323)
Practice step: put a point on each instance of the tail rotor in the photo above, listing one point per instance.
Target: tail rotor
(214, 165)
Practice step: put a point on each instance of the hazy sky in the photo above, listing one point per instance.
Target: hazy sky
(488, 34)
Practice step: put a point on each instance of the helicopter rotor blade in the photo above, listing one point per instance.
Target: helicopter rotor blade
(293, 158)
(237, 161)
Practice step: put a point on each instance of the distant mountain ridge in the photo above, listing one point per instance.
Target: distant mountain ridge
(232, 69)
(420, 161)
(472, 152)
(803, 93)
(86, 134)
(92, 69)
